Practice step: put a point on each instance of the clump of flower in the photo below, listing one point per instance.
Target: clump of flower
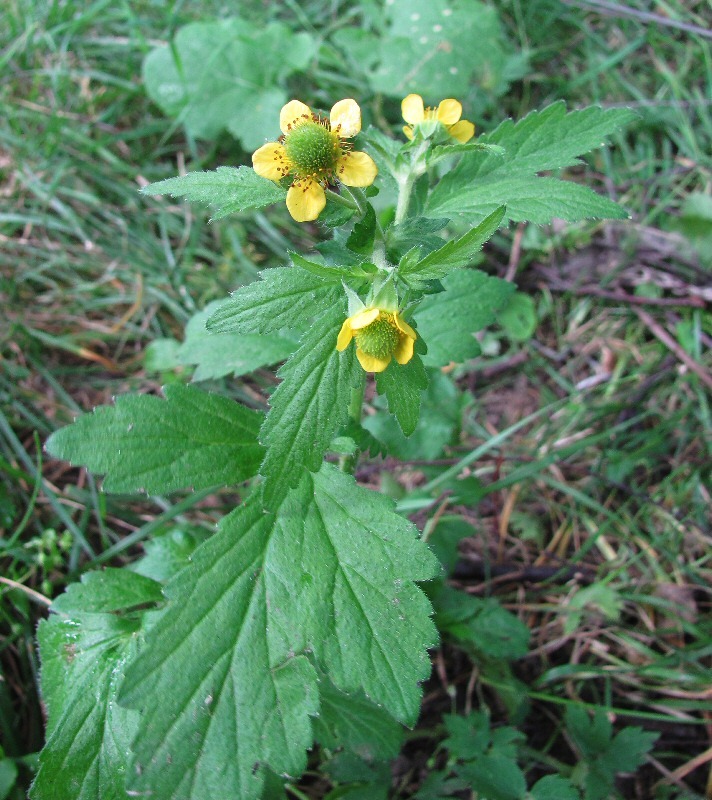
(316, 152)
(380, 335)
(428, 120)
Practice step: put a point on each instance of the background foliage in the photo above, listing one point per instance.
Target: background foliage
(568, 455)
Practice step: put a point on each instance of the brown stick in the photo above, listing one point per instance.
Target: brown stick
(660, 333)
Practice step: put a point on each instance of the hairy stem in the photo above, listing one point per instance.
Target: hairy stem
(347, 463)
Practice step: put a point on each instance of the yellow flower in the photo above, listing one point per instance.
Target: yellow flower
(448, 113)
(315, 152)
(380, 336)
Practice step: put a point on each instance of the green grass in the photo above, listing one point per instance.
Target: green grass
(612, 479)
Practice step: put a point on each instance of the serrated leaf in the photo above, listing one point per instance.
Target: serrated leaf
(543, 140)
(604, 755)
(284, 297)
(459, 149)
(482, 623)
(495, 777)
(353, 722)
(412, 235)
(145, 444)
(447, 320)
(84, 658)
(331, 574)
(215, 355)
(228, 189)
(530, 199)
(226, 75)
(109, 590)
(309, 406)
(554, 787)
(324, 271)
(456, 253)
(361, 237)
(169, 553)
(440, 416)
(403, 386)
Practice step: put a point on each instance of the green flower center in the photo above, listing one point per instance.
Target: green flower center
(313, 148)
(380, 338)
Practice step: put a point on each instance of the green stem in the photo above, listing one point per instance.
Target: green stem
(356, 404)
(342, 200)
(406, 181)
(358, 198)
(405, 188)
(348, 462)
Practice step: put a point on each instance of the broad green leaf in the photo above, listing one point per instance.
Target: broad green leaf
(309, 406)
(227, 75)
(228, 189)
(456, 253)
(352, 722)
(490, 767)
(361, 237)
(440, 416)
(428, 49)
(146, 444)
(169, 553)
(217, 354)
(530, 199)
(403, 385)
(482, 623)
(544, 140)
(284, 298)
(446, 321)
(495, 777)
(603, 755)
(357, 778)
(413, 234)
(324, 271)
(84, 658)
(8, 776)
(518, 319)
(554, 787)
(330, 574)
(458, 149)
(111, 589)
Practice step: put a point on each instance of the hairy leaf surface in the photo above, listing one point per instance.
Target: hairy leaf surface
(446, 321)
(456, 253)
(146, 444)
(544, 140)
(84, 657)
(284, 297)
(330, 574)
(228, 189)
(309, 406)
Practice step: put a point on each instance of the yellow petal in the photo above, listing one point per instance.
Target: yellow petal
(463, 131)
(356, 169)
(305, 200)
(408, 131)
(345, 118)
(345, 336)
(412, 109)
(290, 113)
(371, 363)
(363, 318)
(270, 161)
(449, 111)
(404, 350)
(403, 327)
